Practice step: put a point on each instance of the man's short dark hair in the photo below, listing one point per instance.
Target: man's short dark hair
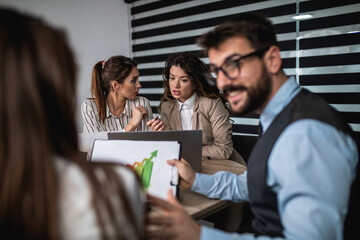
(256, 28)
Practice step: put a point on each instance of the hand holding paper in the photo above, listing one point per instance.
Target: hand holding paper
(187, 174)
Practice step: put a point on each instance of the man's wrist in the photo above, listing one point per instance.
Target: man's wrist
(193, 184)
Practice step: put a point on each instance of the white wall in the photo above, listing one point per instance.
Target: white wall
(96, 30)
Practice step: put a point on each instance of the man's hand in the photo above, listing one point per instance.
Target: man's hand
(156, 124)
(174, 223)
(187, 174)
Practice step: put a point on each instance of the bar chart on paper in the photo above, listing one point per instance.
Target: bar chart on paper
(144, 168)
(146, 158)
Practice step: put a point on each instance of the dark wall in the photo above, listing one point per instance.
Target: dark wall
(323, 52)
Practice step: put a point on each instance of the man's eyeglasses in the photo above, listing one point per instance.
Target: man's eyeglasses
(231, 65)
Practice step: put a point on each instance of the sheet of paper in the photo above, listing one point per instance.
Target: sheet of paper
(147, 158)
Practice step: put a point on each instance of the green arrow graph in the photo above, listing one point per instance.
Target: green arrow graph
(144, 169)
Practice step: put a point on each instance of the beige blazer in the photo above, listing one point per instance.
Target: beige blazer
(212, 118)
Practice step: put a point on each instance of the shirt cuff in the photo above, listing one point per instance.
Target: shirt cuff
(208, 233)
(202, 182)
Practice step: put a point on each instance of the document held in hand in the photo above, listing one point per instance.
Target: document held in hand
(146, 158)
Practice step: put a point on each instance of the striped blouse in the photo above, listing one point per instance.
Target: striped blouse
(92, 122)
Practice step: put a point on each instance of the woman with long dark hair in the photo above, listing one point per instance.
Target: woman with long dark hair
(191, 103)
(46, 190)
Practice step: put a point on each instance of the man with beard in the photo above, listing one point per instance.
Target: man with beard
(300, 171)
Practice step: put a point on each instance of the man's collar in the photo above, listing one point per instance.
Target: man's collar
(281, 99)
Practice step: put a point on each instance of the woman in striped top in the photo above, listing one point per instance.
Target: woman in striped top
(114, 105)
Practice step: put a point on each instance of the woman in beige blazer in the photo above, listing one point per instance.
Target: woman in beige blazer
(190, 103)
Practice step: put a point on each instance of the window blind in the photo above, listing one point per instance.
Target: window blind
(323, 52)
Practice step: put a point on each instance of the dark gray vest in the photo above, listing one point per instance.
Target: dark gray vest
(263, 200)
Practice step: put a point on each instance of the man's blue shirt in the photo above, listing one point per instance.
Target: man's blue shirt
(311, 168)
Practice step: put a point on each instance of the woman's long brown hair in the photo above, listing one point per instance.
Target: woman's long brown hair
(37, 122)
(196, 70)
(116, 68)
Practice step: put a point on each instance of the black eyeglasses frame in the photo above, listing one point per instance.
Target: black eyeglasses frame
(259, 52)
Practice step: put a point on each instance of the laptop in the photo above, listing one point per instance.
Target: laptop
(191, 142)
(86, 140)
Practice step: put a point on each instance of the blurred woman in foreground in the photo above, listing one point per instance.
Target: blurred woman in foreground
(46, 190)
